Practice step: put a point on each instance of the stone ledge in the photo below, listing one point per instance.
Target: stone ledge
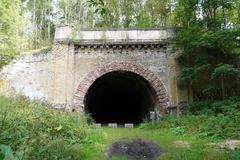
(104, 42)
(65, 34)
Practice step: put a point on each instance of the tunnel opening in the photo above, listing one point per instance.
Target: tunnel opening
(119, 97)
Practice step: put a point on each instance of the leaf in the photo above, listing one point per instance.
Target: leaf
(58, 128)
(6, 152)
(225, 70)
(103, 11)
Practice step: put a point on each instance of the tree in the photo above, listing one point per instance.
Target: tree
(208, 35)
(38, 19)
(10, 23)
(224, 71)
(191, 75)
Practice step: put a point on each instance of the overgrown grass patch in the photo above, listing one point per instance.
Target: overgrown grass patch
(212, 119)
(36, 132)
(31, 130)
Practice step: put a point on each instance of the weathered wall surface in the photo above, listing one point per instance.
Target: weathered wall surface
(62, 91)
(29, 74)
(155, 59)
(55, 76)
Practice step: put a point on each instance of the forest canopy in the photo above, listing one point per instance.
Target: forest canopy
(28, 24)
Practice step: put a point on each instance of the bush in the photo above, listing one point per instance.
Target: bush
(34, 131)
(5, 59)
(233, 154)
(219, 119)
(226, 107)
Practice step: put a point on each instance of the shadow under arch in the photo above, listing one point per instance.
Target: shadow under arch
(121, 70)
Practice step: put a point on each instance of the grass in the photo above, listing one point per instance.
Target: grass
(30, 130)
(198, 149)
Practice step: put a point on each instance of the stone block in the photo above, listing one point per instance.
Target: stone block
(128, 125)
(98, 125)
(112, 125)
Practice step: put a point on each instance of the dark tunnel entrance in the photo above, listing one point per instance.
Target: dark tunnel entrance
(119, 97)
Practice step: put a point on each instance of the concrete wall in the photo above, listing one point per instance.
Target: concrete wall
(55, 75)
(29, 74)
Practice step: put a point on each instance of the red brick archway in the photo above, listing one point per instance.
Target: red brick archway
(161, 97)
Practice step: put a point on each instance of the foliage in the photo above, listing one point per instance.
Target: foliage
(6, 152)
(218, 119)
(38, 23)
(4, 60)
(206, 26)
(204, 55)
(116, 13)
(234, 154)
(208, 37)
(100, 8)
(226, 107)
(216, 127)
(10, 21)
(30, 130)
(223, 70)
(36, 132)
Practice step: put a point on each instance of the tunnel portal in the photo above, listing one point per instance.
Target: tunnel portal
(119, 97)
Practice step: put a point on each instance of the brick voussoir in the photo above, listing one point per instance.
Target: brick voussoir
(154, 81)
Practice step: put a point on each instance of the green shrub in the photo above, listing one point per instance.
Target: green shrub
(233, 154)
(219, 119)
(6, 152)
(226, 107)
(5, 59)
(34, 131)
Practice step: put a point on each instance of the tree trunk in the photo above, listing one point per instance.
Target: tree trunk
(238, 11)
(224, 14)
(190, 93)
(48, 29)
(41, 24)
(44, 18)
(34, 22)
(222, 87)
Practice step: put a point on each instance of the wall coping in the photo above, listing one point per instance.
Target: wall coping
(65, 34)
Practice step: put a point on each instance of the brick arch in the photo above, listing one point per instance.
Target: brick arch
(161, 98)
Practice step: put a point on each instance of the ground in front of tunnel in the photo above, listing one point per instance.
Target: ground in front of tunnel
(171, 146)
